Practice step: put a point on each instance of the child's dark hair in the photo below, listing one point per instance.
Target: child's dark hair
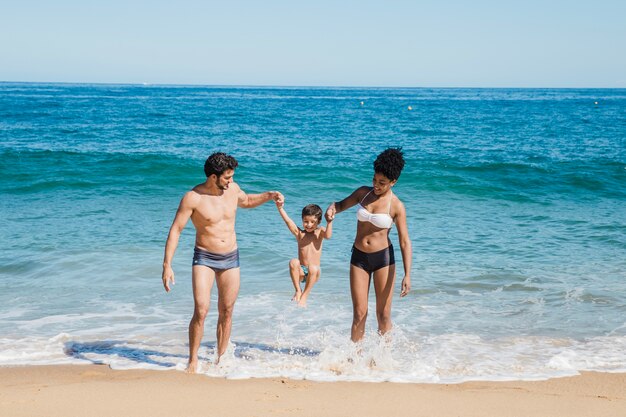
(219, 162)
(313, 210)
(390, 163)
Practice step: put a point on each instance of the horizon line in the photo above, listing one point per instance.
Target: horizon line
(148, 84)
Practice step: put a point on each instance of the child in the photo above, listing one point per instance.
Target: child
(306, 268)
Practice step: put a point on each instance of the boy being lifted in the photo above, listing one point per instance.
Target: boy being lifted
(306, 267)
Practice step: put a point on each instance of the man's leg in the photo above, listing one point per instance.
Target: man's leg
(202, 280)
(228, 289)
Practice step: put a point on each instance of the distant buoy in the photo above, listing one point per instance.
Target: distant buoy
(595, 102)
(362, 103)
(410, 108)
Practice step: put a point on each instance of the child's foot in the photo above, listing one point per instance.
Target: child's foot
(302, 301)
(297, 296)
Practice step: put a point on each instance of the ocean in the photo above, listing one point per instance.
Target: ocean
(516, 210)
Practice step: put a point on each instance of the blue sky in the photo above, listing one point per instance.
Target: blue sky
(317, 43)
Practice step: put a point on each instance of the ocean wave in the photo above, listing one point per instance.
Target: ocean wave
(35, 171)
(523, 182)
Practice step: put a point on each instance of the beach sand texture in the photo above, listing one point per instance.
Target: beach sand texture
(96, 390)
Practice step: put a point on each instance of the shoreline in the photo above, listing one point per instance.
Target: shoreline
(97, 390)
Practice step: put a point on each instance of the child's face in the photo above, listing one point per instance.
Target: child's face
(309, 223)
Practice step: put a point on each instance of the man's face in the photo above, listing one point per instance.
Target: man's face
(224, 180)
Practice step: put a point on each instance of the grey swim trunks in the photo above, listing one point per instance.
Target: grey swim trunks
(216, 261)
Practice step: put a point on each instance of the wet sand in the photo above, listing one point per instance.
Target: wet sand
(96, 390)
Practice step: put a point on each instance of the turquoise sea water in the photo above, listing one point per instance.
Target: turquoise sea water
(515, 202)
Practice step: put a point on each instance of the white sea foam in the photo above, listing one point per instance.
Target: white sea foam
(330, 356)
(274, 338)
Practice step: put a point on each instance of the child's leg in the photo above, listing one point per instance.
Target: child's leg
(296, 275)
(314, 275)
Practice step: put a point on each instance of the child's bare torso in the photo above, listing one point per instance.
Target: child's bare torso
(310, 246)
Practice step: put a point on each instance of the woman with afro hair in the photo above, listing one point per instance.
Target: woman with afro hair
(372, 253)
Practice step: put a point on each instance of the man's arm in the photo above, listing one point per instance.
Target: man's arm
(255, 200)
(405, 248)
(183, 214)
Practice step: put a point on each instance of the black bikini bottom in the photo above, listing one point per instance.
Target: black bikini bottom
(373, 261)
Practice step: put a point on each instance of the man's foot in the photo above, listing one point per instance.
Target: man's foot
(296, 297)
(192, 367)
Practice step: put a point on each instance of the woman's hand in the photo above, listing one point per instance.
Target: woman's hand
(330, 212)
(406, 286)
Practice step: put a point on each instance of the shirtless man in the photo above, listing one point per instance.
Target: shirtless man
(212, 207)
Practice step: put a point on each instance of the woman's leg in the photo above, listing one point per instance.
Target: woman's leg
(383, 286)
(359, 288)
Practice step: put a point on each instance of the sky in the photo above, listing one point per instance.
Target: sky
(478, 43)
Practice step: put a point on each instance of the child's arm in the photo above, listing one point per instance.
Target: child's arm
(328, 233)
(290, 224)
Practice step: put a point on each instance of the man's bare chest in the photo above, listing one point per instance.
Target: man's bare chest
(215, 210)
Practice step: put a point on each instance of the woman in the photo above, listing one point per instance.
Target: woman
(372, 252)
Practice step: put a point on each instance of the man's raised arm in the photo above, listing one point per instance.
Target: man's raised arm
(255, 200)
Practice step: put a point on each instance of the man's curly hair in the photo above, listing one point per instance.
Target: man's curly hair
(390, 163)
(219, 162)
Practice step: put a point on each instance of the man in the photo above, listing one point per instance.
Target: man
(212, 207)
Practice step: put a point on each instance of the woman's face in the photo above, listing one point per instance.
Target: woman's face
(381, 183)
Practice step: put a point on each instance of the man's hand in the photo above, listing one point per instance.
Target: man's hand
(330, 212)
(406, 286)
(168, 277)
(277, 197)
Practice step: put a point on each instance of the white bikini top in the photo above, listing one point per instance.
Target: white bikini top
(381, 220)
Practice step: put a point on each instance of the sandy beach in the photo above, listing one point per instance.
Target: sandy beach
(94, 390)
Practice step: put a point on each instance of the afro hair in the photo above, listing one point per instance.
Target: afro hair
(390, 163)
